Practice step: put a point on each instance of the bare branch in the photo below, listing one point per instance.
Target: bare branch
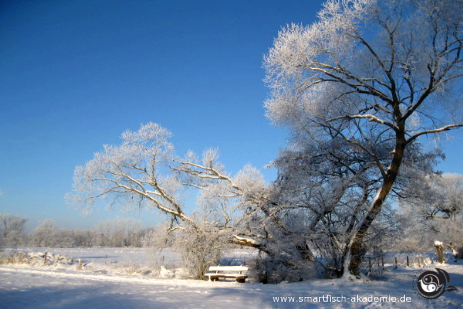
(434, 131)
(367, 116)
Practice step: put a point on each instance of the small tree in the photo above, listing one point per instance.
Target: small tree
(11, 229)
(45, 234)
(119, 232)
(434, 210)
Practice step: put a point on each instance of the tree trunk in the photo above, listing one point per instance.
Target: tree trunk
(440, 251)
(357, 246)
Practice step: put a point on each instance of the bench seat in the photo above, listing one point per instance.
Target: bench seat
(239, 273)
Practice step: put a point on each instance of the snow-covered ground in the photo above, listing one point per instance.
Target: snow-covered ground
(121, 278)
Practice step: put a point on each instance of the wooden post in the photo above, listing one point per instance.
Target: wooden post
(408, 262)
(395, 258)
(440, 251)
(382, 262)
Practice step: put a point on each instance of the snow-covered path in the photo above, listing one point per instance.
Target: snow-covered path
(25, 287)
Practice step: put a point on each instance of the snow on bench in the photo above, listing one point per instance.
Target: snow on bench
(237, 272)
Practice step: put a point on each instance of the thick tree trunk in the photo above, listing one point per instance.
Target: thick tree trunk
(357, 246)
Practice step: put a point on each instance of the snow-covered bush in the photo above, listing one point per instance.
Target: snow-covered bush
(35, 259)
(199, 246)
(199, 249)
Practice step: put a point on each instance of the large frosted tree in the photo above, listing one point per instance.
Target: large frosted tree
(143, 172)
(363, 84)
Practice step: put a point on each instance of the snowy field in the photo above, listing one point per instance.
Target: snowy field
(125, 278)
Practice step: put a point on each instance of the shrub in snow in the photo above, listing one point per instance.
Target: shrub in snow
(427, 261)
(35, 259)
(16, 258)
(281, 268)
(199, 247)
(166, 273)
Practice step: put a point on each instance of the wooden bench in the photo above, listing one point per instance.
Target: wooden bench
(239, 273)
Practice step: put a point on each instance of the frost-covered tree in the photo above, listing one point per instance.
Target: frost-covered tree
(319, 201)
(438, 197)
(46, 234)
(119, 232)
(373, 76)
(133, 175)
(434, 212)
(143, 172)
(85, 238)
(11, 229)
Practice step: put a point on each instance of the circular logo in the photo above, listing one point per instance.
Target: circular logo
(431, 284)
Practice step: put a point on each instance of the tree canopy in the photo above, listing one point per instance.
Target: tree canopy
(368, 82)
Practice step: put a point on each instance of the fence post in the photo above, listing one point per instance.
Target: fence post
(408, 262)
(395, 258)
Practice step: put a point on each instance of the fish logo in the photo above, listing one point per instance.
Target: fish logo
(431, 284)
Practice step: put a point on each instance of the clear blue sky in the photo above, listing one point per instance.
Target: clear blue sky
(75, 74)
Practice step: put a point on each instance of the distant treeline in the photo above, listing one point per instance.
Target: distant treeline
(111, 233)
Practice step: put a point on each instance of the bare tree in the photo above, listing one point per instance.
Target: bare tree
(119, 232)
(11, 228)
(45, 234)
(364, 73)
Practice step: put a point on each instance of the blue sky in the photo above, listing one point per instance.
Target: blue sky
(76, 74)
